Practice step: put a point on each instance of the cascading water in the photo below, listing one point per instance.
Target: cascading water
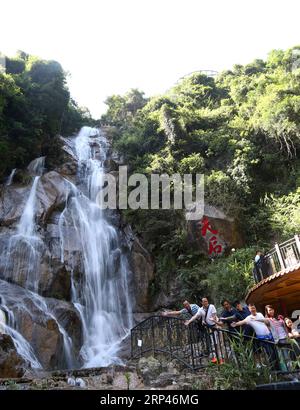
(37, 166)
(85, 253)
(11, 177)
(102, 294)
(22, 346)
(23, 253)
(22, 263)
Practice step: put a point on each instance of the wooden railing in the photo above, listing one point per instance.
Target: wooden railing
(283, 256)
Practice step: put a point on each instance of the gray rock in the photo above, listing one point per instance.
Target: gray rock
(142, 267)
(12, 365)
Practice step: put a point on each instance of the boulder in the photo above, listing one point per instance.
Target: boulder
(149, 369)
(12, 365)
(51, 194)
(39, 320)
(215, 233)
(12, 203)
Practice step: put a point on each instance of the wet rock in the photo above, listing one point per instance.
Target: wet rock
(51, 193)
(142, 267)
(68, 168)
(12, 202)
(35, 318)
(165, 379)
(12, 365)
(149, 369)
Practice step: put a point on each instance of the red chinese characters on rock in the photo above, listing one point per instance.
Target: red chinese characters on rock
(214, 247)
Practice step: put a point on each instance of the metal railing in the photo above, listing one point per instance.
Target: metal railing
(195, 346)
(283, 256)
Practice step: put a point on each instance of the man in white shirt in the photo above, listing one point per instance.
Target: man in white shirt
(258, 322)
(262, 332)
(208, 313)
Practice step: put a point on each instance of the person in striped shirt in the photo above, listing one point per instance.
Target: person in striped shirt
(188, 309)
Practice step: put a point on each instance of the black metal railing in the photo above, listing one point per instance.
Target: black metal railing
(195, 346)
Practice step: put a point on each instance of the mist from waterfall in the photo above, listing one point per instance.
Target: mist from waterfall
(102, 295)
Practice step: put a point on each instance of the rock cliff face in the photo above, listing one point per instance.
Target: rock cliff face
(12, 365)
(46, 316)
(215, 233)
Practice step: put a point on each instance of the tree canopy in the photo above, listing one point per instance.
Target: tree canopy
(35, 106)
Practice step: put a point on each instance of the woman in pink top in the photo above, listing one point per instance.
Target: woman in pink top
(280, 335)
(278, 328)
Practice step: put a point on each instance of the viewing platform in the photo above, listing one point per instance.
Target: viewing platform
(280, 286)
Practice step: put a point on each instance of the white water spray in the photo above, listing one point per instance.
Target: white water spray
(102, 297)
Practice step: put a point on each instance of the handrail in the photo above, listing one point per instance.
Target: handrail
(194, 345)
(282, 256)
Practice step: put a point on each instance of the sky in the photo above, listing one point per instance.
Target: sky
(110, 46)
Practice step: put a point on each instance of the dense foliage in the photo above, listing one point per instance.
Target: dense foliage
(35, 106)
(242, 130)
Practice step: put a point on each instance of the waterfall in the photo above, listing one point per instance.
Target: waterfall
(11, 177)
(22, 346)
(22, 258)
(26, 226)
(37, 166)
(102, 295)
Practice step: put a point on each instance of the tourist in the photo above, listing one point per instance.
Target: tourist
(257, 321)
(293, 332)
(278, 329)
(280, 335)
(188, 309)
(228, 315)
(262, 331)
(198, 333)
(261, 267)
(241, 312)
(208, 314)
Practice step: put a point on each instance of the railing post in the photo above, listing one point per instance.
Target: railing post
(281, 261)
(297, 240)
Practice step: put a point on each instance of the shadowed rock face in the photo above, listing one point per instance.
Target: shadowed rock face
(38, 320)
(143, 268)
(11, 363)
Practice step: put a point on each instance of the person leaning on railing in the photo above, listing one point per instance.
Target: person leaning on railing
(280, 335)
(261, 327)
(188, 309)
(208, 314)
(293, 334)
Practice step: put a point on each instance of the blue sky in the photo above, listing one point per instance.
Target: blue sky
(110, 46)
